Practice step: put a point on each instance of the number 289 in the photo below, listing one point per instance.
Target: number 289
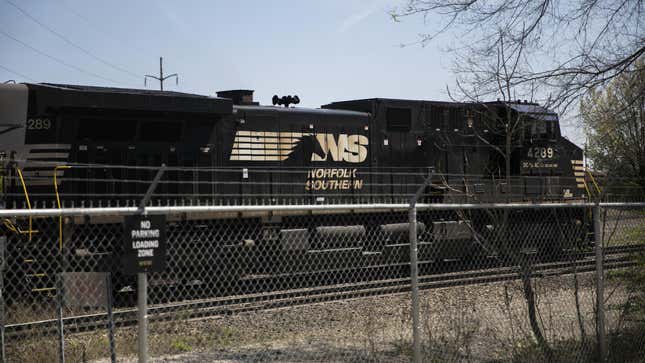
(39, 124)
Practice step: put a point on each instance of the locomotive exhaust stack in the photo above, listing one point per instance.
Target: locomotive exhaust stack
(239, 96)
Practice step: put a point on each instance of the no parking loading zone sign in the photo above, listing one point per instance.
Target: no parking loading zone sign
(145, 244)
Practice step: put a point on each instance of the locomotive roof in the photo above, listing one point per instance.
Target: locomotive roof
(73, 96)
(113, 97)
(121, 90)
(533, 109)
(319, 111)
(381, 99)
(528, 107)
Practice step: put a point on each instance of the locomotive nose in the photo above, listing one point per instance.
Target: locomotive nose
(13, 117)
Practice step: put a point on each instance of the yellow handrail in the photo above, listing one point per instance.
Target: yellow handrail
(10, 226)
(593, 180)
(60, 218)
(24, 188)
(587, 189)
(15, 229)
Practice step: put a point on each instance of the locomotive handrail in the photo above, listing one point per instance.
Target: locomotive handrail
(13, 228)
(24, 188)
(60, 218)
(123, 211)
(593, 180)
(420, 171)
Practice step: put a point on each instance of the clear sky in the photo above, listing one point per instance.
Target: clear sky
(320, 50)
(323, 51)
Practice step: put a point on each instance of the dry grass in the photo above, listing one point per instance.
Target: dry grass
(165, 338)
(481, 323)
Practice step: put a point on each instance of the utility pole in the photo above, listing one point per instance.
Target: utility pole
(161, 77)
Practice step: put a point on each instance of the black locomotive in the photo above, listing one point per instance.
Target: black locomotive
(229, 150)
(64, 124)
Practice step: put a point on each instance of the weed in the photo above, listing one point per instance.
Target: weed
(181, 347)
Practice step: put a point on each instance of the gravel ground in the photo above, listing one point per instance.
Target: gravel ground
(471, 323)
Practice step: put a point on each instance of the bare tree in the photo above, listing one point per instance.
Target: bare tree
(547, 51)
(565, 48)
(499, 127)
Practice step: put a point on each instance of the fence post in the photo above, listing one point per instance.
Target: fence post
(3, 244)
(414, 283)
(142, 297)
(109, 301)
(414, 269)
(600, 291)
(60, 303)
(142, 279)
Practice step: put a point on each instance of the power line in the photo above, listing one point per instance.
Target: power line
(66, 40)
(58, 60)
(17, 73)
(98, 29)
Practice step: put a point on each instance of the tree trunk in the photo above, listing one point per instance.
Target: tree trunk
(527, 284)
(529, 296)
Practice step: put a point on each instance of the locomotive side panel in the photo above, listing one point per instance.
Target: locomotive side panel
(310, 154)
(399, 128)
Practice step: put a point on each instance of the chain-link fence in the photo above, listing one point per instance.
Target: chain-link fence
(300, 279)
(543, 305)
(497, 282)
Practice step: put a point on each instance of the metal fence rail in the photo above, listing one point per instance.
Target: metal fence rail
(174, 210)
(505, 281)
(95, 185)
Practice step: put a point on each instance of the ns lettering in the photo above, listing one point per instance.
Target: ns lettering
(348, 148)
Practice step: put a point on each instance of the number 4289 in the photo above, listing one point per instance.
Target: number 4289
(540, 152)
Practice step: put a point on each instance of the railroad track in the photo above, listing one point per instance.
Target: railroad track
(615, 258)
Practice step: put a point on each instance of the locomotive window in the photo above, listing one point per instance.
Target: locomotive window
(550, 130)
(541, 128)
(107, 130)
(398, 119)
(446, 119)
(530, 129)
(160, 131)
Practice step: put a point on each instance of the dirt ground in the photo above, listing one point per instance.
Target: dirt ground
(480, 323)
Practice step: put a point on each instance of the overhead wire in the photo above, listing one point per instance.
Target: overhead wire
(65, 5)
(71, 43)
(17, 73)
(58, 60)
